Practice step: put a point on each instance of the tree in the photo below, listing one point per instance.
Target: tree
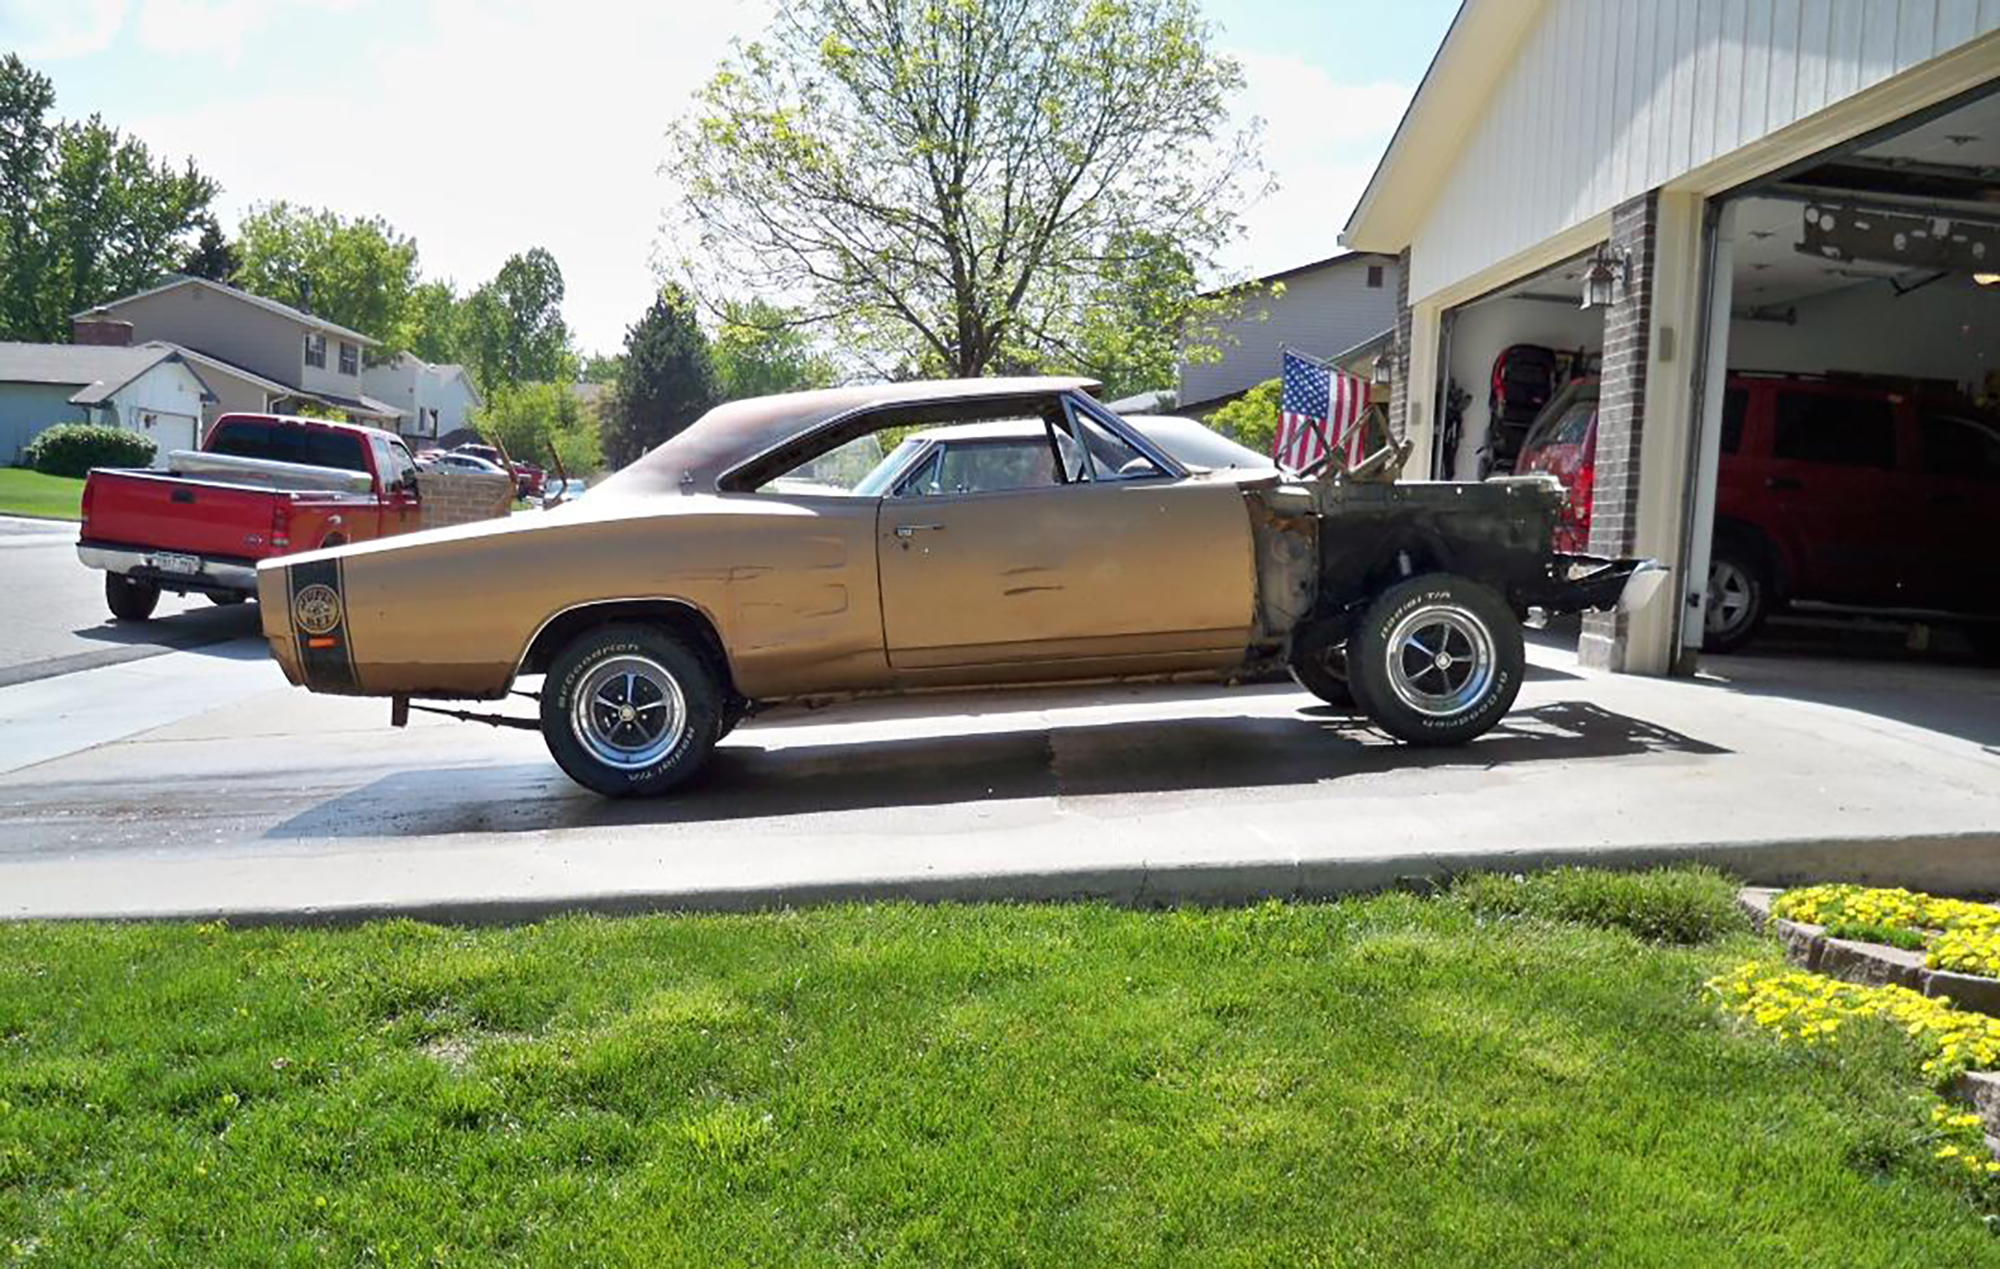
(948, 180)
(86, 213)
(668, 381)
(511, 329)
(211, 256)
(431, 322)
(760, 349)
(359, 273)
(1251, 420)
(529, 420)
(601, 368)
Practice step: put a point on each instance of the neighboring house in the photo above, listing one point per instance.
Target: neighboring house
(1324, 309)
(256, 354)
(152, 390)
(1799, 189)
(435, 399)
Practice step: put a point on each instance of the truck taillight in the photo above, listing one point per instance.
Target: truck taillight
(281, 522)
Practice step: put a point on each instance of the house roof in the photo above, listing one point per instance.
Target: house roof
(97, 371)
(358, 404)
(1469, 64)
(298, 316)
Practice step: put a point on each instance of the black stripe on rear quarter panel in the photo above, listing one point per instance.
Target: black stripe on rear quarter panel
(325, 668)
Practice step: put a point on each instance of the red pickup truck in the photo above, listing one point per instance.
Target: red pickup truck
(261, 485)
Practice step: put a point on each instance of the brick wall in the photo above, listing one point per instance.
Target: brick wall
(462, 497)
(1614, 506)
(1399, 398)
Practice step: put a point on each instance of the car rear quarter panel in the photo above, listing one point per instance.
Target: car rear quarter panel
(790, 589)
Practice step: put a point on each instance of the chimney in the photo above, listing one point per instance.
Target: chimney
(99, 328)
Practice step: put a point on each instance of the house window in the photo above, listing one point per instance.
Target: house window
(1374, 277)
(350, 359)
(316, 351)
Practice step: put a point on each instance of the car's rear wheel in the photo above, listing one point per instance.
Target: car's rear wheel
(630, 711)
(1739, 594)
(226, 598)
(1436, 660)
(1319, 661)
(130, 599)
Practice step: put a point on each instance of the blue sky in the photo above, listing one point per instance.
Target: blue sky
(483, 127)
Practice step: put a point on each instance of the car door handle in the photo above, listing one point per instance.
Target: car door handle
(911, 530)
(1783, 482)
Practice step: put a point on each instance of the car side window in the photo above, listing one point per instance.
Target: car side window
(1092, 452)
(990, 466)
(1735, 406)
(1962, 447)
(1835, 428)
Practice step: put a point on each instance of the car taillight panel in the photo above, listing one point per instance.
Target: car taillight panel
(281, 523)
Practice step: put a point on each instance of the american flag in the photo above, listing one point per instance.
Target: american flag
(1318, 403)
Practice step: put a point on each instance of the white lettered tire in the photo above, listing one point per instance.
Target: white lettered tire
(1436, 660)
(629, 710)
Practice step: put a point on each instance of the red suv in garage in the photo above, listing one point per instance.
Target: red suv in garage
(1839, 491)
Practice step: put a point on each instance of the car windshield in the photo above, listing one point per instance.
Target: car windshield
(876, 483)
(841, 469)
(1194, 444)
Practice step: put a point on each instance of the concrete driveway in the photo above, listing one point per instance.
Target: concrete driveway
(197, 783)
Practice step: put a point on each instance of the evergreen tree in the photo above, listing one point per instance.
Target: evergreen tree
(667, 382)
(211, 257)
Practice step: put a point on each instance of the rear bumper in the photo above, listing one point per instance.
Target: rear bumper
(1592, 583)
(216, 575)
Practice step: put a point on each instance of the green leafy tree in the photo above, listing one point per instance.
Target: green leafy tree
(211, 256)
(1251, 420)
(760, 349)
(530, 420)
(947, 181)
(26, 142)
(511, 329)
(86, 213)
(432, 321)
(359, 272)
(600, 368)
(668, 380)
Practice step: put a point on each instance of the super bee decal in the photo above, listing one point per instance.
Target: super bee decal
(319, 622)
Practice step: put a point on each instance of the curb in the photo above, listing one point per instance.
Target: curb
(1951, 863)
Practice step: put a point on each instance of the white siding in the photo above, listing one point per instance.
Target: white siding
(1606, 99)
(163, 404)
(1322, 312)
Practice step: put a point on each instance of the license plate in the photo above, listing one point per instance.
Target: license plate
(168, 562)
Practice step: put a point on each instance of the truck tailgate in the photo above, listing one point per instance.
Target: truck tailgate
(163, 512)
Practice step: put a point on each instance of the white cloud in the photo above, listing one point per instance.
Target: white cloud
(482, 130)
(1321, 140)
(42, 30)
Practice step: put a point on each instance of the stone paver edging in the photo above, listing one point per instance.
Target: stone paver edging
(1870, 964)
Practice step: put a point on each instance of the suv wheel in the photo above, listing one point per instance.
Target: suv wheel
(129, 599)
(630, 711)
(1739, 595)
(1436, 660)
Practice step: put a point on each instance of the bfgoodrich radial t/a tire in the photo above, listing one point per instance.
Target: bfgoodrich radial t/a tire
(630, 711)
(1436, 660)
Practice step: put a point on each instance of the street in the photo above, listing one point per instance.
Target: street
(57, 623)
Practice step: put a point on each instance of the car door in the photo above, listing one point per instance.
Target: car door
(1104, 560)
(1834, 487)
(1960, 498)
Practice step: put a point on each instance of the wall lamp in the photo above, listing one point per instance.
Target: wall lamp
(1383, 373)
(1610, 272)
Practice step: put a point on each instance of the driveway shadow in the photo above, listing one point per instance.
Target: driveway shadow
(743, 781)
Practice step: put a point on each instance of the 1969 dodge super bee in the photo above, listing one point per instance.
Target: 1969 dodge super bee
(771, 553)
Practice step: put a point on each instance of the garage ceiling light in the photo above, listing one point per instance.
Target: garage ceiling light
(1987, 279)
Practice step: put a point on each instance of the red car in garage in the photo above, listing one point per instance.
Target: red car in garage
(1844, 491)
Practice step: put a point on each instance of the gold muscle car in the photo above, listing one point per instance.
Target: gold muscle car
(772, 553)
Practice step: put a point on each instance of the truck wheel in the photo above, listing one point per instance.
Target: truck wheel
(226, 598)
(1436, 660)
(130, 600)
(629, 710)
(1319, 661)
(1739, 594)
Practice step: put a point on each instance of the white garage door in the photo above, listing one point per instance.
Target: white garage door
(169, 431)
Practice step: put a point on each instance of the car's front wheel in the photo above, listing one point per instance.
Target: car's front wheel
(630, 710)
(130, 599)
(1319, 661)
(1436, 660)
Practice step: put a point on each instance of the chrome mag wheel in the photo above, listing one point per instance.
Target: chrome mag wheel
(1731, 594)
(1441, 660)
(629, 712)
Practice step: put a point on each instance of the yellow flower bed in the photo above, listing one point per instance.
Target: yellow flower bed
(1865, 905)
(1966, 952)
(1807, 1007)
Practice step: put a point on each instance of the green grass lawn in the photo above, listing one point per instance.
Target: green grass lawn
(1385, 1081)
(30, 493)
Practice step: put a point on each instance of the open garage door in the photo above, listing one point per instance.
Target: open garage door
(1506, 357)
(1849, 479)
